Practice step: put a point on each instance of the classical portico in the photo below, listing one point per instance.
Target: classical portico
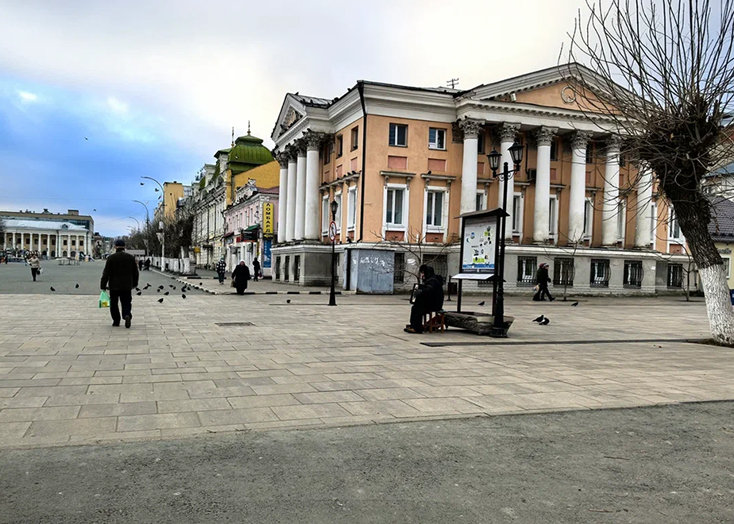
(55, 239)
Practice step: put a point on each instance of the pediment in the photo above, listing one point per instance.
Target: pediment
(291, 112)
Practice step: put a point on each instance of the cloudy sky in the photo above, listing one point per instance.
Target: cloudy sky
(95, 94)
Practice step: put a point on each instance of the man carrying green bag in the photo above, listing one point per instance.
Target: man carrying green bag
(121, 276)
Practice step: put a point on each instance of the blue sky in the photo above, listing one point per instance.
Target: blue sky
(156, 85)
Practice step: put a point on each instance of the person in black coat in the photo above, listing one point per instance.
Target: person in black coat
(240, 276)
(428, 297)
(121, 276)
(542, 281)
(256, 268)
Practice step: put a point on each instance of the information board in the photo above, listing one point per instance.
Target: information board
(480, 235)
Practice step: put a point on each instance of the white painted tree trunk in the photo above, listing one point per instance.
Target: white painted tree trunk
(718, 303)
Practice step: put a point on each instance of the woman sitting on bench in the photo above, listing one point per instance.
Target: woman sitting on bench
(428, 297)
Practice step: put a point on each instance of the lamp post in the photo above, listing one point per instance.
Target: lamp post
(163, 230)
(498, 328)
(332, 292)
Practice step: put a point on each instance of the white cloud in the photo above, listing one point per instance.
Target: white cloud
(27, 98)
(117, 106)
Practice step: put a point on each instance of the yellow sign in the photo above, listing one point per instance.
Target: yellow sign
(268, 220)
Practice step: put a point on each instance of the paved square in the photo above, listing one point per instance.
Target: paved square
(67, 376)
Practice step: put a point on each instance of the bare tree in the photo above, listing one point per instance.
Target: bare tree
(661, 75)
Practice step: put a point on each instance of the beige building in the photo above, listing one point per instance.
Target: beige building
(50, 234)
(403, 163)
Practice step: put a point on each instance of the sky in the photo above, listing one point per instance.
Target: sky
(94, 95)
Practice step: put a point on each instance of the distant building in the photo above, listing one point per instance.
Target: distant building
(52, 234)
(172, 193)
(721, 228)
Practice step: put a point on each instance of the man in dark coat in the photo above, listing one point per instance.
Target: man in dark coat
(427, 298)
(542, 280)
(221, 270)
(121, 276)
(256, 268)
(241, 275)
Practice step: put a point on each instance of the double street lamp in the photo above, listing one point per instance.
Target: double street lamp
(498, 328)
(163, 216)
(332, 291)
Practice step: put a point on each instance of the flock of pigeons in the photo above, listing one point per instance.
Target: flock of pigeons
(542, 320)
(139, 291)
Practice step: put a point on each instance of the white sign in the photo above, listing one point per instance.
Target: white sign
(479, 240)
(332, 231)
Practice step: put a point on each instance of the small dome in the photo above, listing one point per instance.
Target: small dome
(249, 150)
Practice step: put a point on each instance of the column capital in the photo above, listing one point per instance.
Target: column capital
(313, 140)
(291, 153)
(580, 139)
(300, 147)
(282, 158)
(507, 132)
(614, 143)
(544, 135)
(471, 127)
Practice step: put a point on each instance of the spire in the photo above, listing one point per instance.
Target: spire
(248, 128)
(232, 136)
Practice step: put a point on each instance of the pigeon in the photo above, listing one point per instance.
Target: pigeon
(174, 287)
(544, 322)
(539, 319)
(77, 286)
(157, 290)
(136, 289)
(139, 293)
(482, 303)
(166, 293)
(183, 296)
(85, 138)
(52, 288)
(160, 301)
(201, 283)
(171, 285)
(287, 301)
(574, 304)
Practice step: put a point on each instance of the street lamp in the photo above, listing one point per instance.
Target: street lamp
(332, 292)
(498, 328)
(163, 232)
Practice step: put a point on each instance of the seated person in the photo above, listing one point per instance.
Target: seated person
(427, 298)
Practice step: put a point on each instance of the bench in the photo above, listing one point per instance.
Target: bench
(434, 321)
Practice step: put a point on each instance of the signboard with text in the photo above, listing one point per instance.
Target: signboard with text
(478, 247)
(268, 219)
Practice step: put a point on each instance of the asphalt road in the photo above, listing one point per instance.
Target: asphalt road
(15, 278)
(650, 465)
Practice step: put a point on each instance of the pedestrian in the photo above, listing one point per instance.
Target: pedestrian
(35, 264)
(256, 267)
(147, 264)
(542, 280)
(221, 268)
(121, 276)
(240, 276)
(140, 264)
(428, 297)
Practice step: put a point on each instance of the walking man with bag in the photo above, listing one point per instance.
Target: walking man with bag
(121, 276)
(543, 279)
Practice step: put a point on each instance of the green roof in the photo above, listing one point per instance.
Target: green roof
(248, 152)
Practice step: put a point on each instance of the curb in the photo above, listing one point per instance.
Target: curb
(213, 292)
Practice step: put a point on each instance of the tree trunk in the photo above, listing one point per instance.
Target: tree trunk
(718, 303)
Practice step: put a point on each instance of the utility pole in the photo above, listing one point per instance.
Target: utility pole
(452, 83)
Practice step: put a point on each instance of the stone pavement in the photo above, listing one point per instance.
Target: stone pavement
(227, 363)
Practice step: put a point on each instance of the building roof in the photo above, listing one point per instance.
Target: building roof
(312, 101)
(17, 223)
(248, 151)
(721, 226)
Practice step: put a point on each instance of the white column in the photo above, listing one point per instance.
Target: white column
(610, 202)
(469, 167)
(282, 196)
(301, 193)
(290, 232)
(14, 244)
(541, 215)
(644, 196)
(312, 211)
(507, 133)
(58, 245)
(578, 187)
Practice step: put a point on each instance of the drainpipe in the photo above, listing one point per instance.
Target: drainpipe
(360, 88)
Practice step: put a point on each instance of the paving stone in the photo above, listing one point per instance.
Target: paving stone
(201, 404)
(160, 421)
(327, 397)
(87, 427)
(236, 416)
(26, 414)
(116, 410)
(309, 411)
(262, 401)
(81, 400)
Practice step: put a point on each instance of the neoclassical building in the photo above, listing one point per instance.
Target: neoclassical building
(54, 235)
(404, 162)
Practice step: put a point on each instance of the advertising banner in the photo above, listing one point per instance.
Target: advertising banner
(479, 245)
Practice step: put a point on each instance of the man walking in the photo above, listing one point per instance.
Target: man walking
(121, 276)
(542, 284)
(221, 270)
(256, 267)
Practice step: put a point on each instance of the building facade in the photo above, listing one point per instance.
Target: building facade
(403, 163)
(50, 234)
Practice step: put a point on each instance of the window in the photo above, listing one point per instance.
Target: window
(277, 268)
(517, 213)
(675, 275)
(339, 146)
(563, 271)
(338, 220)
(398, 135)
(599, 272)
(653, 224)
(590, 153)
(325, 214)
(633, 273)
(355, 138)
(328, 150)
(351, 208)
(674, 227)
(481, 196)
(436, 138)
(394, 207)
(727, 266)
(480, 143)
(553, 218)
(296, 268)
(554, 150)
(621, 220)
(434, 209)
(287, 269)
(526, 270)
(588, 219)
(398, 275)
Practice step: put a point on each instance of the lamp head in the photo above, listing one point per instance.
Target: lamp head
(494, 160)
(516, 151)
(334, 209)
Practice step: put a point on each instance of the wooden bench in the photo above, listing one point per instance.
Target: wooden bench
(434, 321)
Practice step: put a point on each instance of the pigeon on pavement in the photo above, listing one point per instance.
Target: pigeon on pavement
(183, 296)
(139, 293)
(545, 322)
(539, 319)
(482, 303)
(160, 301)
(52, 288)
(288, 301)
(77, 286)
(166, 293)
(574, 304)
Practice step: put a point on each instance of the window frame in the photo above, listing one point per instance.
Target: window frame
(727, 266)
(328, 150)
(553, 218)
(627, 280)
(396, 127)
(621, 220)
(589, 153)
(481, 146)
(525, 278)
(392, 226)
(595, 278)
(435, 145)
(433, 191)
(674, 223)
(558, 264)
(482, 195)
(519, 217)
(354, 137)
(589, 220)
(554, 150)
(325, 214)
(339, 146)
(351, 208)
(653, 224)
(338, 198)
(398, 276)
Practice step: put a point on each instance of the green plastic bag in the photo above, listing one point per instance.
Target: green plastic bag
(104, 299)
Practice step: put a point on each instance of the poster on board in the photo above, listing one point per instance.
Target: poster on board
(480, 235)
